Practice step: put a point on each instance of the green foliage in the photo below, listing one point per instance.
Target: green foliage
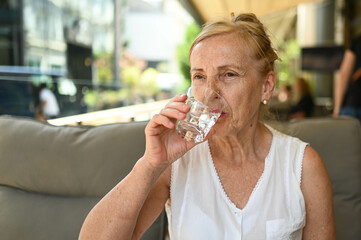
(105, 74)
(131, 76)
(98, 100)
(104, 67)
(182, 50)
(288, 67)
(140, 86)
(163, 67)
(91, 98)
(148, 83)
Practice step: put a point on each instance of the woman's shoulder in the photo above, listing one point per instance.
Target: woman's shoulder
(290, 147)
(312, 161)
(283, 138)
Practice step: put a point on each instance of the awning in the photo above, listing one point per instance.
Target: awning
(205, 10)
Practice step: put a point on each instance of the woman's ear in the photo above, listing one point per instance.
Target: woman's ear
(269, 85)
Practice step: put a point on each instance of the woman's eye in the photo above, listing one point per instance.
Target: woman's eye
(197, 77)
(230, 74)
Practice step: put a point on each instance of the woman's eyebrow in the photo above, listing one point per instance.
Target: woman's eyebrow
(239, 68)
(231, 66)
(196, 69)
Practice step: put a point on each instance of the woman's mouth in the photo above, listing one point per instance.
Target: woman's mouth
(223, 114)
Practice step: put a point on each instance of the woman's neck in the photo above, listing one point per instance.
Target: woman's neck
(250, 144)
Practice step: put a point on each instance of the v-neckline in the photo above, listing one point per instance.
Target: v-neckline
(259, 182)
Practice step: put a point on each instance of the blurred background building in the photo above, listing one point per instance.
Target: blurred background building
(101, 54)
(71, 44)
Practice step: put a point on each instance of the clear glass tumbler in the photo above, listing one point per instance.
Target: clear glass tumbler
(206, 107)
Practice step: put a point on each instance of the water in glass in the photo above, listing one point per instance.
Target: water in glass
(198, 122)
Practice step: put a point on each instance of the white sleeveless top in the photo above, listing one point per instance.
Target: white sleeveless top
(201, 210)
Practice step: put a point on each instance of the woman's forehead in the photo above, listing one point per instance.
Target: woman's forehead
(220, 50)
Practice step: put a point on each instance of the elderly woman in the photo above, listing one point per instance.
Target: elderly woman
(246, 181)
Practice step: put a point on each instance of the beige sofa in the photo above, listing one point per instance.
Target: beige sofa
(50, 177)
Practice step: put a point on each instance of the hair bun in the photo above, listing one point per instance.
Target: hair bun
(246, 17)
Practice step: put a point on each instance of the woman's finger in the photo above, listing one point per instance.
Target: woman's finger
(179, 98)
(175, 109)
(160, 120)
(180, 106)
(173, 113)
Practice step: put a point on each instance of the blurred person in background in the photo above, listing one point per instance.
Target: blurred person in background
(284, 94)
(347, 91)
(48, 104)
(305, 104)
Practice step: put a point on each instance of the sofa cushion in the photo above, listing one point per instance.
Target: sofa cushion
(51, 177)
(25, 215)
(69, 161)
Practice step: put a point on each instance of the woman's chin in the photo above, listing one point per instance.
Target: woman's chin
(221, 129)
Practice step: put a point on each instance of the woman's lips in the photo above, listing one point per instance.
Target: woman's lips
(223, 114)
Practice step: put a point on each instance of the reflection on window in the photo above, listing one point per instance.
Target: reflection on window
(66, 87)
(70, 45)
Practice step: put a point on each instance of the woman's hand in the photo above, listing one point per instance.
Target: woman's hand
(163, 144)
(133, 205)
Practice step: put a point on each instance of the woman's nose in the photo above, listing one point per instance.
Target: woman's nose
(214, 92)
(212, 84)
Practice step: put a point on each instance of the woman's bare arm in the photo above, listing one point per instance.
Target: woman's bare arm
(116, 215)
(342, 80)
(317, 191)
(154, 204)
(132, 206)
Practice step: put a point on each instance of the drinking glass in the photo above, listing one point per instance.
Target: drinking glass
(206, 107)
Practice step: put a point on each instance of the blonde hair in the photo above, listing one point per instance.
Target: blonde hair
(250, 30)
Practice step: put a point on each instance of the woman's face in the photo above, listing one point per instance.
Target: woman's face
(222, 63)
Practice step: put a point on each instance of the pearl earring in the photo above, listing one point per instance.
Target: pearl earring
(265, 102)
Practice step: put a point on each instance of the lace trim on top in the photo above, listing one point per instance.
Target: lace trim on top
(171, 183)
(266, 167)
(300, 163)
